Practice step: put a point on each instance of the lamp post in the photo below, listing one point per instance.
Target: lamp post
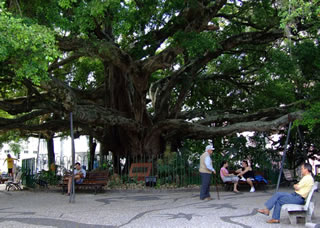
(72, 195)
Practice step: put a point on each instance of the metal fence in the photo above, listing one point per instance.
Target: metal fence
(173, 169)
(166, 170)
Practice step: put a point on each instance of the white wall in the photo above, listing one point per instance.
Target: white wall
(62, 148)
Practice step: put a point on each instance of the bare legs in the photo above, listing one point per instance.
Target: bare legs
(235, 187)
(76, 177)
(249, 181)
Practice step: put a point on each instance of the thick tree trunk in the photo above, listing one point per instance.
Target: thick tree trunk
(103, 153)
(92, 147)
(50, 148)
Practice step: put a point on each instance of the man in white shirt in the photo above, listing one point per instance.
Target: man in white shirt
(79, 175)
(206, 170)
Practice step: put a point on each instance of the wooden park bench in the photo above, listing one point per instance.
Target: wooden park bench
(94, 180)
(257, 183)
(15, 184)
(306, 210)
(3, 179)
(140, 171)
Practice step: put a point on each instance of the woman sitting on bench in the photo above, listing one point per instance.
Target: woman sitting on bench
(226, 177)
(246, 173)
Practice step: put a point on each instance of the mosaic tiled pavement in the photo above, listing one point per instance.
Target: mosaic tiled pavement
(133, 209)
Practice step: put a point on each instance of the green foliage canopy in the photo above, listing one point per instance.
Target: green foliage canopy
(138, 74)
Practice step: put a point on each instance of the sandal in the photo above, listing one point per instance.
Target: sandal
(264, 211)
(273, 221)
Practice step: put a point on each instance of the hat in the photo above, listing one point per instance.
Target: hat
(209, 147)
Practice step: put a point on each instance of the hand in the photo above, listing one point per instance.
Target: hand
(214, 172)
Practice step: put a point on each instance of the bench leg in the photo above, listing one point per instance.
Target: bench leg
(292, 218)
(228, 186)
(310, 212)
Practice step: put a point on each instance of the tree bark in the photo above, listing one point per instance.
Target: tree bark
(50, 148)
(92, 148)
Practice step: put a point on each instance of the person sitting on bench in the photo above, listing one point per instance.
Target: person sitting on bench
(246, 173)
(79, 175)
(226, 177)
(302, 190)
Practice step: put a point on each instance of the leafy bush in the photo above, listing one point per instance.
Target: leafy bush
(49, 176)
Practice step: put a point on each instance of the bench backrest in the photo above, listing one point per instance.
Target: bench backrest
(97, 175)
(308, 199)
(255, 172)
(18, 177)
(258, 172)
(288, 174)
(94, 177)
(140, 170)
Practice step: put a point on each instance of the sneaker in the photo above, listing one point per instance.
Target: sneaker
(243, 179)
(252, 189)
(208, 198)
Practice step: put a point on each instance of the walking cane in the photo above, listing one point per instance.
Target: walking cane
(215, 180)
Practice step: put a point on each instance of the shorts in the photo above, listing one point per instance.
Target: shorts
(79, 181)
(233, 179)
(10, 170)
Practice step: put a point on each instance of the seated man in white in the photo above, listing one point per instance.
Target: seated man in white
(79, 175)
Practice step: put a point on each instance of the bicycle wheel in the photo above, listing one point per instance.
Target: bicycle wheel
(12, 188)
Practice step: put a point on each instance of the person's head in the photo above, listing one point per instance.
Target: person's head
(8, 156)
(224, 164)
(306, 169)
(77, 165)
(209, 149)
(244, 163)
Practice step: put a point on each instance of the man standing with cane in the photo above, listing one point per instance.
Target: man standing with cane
(206, 170)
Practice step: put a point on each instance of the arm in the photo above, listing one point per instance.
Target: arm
(245, 170)
(300, 184)
(208, 163)
(80, 174)
(238, 171)
(226, 174)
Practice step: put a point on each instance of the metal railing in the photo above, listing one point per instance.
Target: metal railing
(175, 170)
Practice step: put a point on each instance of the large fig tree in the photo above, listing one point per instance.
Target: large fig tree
(137, 74)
